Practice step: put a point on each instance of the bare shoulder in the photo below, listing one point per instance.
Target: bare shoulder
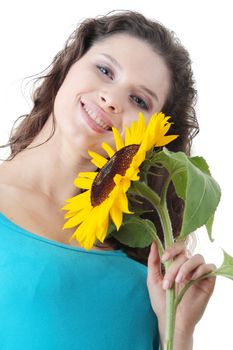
(12, 204)
(8, 197)
(14, 197)
(16, 202)
(8, 191)
(31, 211)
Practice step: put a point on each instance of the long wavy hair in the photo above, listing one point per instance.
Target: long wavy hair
(180, 103)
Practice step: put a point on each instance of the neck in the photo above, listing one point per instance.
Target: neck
(49, 169)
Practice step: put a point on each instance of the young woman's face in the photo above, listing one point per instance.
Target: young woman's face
(116, 79)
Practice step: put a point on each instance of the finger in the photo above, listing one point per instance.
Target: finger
(172, 271)
(154, 281)
(188, 268)
(207, 284)
(154, 274)
(203, 269)
(173, 250)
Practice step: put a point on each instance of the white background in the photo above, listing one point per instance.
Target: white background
(31, 33)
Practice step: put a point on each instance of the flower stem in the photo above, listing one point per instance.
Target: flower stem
(190, 283)
(155, 237)
(160, 205)
(170, 319)
(145, 191)
(141, 189)
(170, 293)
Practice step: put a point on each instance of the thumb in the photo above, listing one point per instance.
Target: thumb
(155, 283)
(154, 274)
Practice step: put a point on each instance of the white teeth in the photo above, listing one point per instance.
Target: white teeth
(96, 119)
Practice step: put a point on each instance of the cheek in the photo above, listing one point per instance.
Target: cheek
(63, 99)
(76, 83)
(83, 80)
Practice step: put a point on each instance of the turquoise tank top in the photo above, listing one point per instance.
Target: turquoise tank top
(57, 297)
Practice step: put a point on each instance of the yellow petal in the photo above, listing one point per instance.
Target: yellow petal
(128, 137)
(89, 175)
(85, 233)
(123, 203)
(140, 129)
(122, 182)
(132, 174)
(164, 128)
(102, 230)
(88, 236)
(108, 149)
(83, 183)
(133, 126)
(85, 241)
(118, 140)
(116, 215)
(139, 157)
(126, 184)
(151, 122)
(148, 140)
(165, 140)
(78, 218)
(88, 242)
(117, 179)
(77, 202)
(71, 213)
(97, 159)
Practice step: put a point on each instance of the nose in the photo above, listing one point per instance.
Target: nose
(110, 102)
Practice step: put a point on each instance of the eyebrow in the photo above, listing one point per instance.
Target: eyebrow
(112, 59)
(151, 93)
(116, 63)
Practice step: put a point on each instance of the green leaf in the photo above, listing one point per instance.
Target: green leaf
(111, 228)
(136, 232)
(209, 225)
(200, 163)
(226, 269)
(195, 185)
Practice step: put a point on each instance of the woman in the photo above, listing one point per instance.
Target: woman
(111, 68)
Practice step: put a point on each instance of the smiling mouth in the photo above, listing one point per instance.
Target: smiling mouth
(96, 119)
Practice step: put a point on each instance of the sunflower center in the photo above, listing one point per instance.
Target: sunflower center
(118, 164)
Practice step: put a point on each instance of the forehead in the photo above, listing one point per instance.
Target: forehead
(137, 59)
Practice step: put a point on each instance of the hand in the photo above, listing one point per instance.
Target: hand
(194, 301)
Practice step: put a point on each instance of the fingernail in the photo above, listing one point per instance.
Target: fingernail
(165, 256)
(166, 284)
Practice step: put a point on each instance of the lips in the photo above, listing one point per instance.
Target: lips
(95, 117)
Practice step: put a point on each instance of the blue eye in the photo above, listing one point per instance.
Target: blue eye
(140, 102)
(105, 71)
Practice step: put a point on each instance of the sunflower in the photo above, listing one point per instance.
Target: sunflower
(105, 195)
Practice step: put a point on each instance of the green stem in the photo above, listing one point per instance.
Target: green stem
(170, 319)
(154, 235)
(160, 205)
(143, 190)
(170, 293)
(189, 284)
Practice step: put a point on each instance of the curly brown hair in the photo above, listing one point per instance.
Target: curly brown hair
(180, 102)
